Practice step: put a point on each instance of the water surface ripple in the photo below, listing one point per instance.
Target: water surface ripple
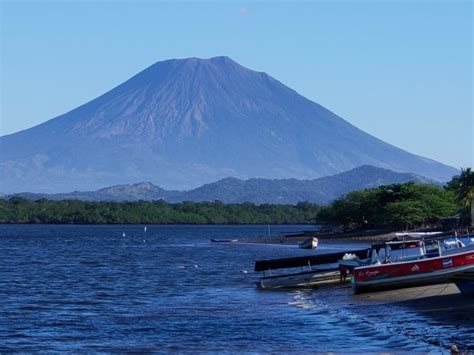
(89, 288)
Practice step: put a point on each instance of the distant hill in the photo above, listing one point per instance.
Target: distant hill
(258, 191)
(182, 123)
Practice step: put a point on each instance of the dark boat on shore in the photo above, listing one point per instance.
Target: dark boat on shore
(305, 271)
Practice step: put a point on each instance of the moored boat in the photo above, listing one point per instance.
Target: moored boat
(310, 278)
(309, 243)
(430, 266)
(306, 271)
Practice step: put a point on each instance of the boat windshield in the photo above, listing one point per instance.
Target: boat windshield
(404, 250)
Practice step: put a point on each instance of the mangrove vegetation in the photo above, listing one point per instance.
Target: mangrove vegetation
(20, 210)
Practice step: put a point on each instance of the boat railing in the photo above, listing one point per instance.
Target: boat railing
(432, 246)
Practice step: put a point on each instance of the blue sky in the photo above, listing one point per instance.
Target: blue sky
(401, 71)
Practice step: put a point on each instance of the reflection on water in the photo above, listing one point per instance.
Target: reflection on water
(89, 288)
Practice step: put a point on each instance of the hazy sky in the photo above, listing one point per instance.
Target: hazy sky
(401, 71)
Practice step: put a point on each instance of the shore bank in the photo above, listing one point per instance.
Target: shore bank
(369, 236)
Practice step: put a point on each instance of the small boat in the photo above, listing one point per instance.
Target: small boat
(224, 240)
(419, 264)
(306, 271)
(310, 278)
(350, 261)
(310, 243)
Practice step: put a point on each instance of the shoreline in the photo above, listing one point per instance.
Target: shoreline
(338, 238)
(368, 236)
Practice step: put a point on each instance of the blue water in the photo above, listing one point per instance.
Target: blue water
(89, 288)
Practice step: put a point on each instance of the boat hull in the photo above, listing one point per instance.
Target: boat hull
(301, 279)
(310, 243)
(419, 272)
(465, 282)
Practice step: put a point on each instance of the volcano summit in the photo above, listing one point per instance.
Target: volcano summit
(182, 123)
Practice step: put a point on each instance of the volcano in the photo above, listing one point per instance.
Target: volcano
(182, 123)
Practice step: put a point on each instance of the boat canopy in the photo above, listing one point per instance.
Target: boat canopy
(272, 264)
(425, 236)
(418, 234)
(398, 244)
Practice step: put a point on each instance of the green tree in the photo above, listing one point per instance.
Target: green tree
(396, 205)
(406, 214)
(463, 187)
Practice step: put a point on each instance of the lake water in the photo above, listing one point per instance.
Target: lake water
(89, 288)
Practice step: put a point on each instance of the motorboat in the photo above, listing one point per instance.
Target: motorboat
(417, 262)
(310, 278)
(306, 271)
(309, 243)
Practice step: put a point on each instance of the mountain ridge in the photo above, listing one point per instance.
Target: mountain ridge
(255, 190)
(187, 122)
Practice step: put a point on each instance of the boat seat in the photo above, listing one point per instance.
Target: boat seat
(432, 253)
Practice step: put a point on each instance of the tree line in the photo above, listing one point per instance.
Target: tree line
(20, 210)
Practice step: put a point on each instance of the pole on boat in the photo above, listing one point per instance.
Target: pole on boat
(268, 230)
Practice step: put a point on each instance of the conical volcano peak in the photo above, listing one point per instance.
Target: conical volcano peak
(179, 99)
(181, 123)
(171, 99)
